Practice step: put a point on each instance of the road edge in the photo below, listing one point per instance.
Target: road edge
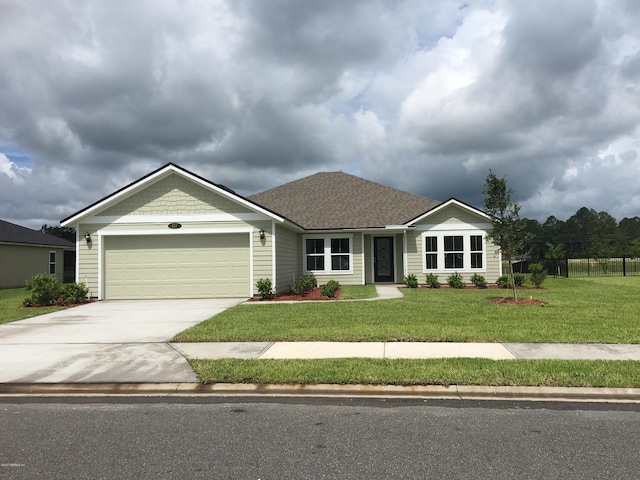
(451, 392)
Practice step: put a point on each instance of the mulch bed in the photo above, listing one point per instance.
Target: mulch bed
(520, 301)
(315, 294)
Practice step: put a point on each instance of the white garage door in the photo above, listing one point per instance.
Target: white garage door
(176, 266)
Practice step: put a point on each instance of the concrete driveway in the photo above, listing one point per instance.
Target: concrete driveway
(110, 341)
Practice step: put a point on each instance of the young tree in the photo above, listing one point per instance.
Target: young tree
(555, 252)
(507, 228)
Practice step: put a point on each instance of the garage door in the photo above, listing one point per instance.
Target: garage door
(176, 266)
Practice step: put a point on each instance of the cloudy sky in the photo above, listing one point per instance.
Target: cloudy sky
(424, 96)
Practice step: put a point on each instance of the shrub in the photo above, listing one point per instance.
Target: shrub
(305, 284)
(455, 280)
(410, 281)
(538, 274)
(503, 281)
(518, 279)
(330, 288)
(45, 289)
(265, 288)
(432, 280)
(73, 293)
(478, 280)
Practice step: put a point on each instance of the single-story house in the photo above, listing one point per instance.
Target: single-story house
(25, 253)
(174, 234)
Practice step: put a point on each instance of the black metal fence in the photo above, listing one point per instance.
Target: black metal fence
(593, 267)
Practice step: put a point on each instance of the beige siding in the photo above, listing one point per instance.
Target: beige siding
(368, 259)
(288, 258)
(262, 253)
(18, 263)
(453, 214)
(354, 278)
(87, 260)
(399, 260)
(174, 195)
(457, 219)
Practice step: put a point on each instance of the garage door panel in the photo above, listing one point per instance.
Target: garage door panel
(177, 266)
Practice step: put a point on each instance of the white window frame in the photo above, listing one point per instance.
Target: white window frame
(327, 253)
(466, 245)
(55, 259)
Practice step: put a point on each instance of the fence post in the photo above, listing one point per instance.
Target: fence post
(624, 266)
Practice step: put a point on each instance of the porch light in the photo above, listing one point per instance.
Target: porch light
(262, 234)
(87, 237)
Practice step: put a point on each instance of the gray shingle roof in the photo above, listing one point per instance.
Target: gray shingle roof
(12, 233)
(329, 200)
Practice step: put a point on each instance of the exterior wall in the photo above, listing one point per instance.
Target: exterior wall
(262, 252)
(452, 220)
(398, 257)
(90, 254)
(368, 259)
(353, 278)
(18, 263)
(174, 195)
(288, 255)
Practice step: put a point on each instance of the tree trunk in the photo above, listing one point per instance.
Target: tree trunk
(513, 283)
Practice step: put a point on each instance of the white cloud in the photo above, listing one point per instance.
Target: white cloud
(425, 96)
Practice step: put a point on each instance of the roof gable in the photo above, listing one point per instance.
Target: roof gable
(337, 200)
(12, 233)
(134, 193)
(435, 215)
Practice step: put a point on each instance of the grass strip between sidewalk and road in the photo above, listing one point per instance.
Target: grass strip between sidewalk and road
(451, 371)
(593, 310)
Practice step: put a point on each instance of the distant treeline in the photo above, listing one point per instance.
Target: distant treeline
(586, 234)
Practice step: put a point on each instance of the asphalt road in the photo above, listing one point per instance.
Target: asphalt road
(246, 438)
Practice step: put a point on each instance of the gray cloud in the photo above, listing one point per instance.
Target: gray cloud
(424, 96)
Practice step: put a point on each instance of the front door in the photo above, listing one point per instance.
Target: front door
(383, 259)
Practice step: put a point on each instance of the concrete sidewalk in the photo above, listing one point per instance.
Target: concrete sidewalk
(494, 351)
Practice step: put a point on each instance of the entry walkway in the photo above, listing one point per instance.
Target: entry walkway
(494, 351)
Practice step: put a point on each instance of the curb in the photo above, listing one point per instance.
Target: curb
(452, 392)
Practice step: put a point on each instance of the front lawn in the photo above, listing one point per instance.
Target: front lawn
(602, 310)
(11, 303)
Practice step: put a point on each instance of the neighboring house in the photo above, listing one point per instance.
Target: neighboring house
(25, 253)
(175, 234)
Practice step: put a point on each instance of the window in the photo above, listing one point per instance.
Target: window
(315, 254)
(340, 247)
(328, 254)
(476, 251)
(453, 251)
(431, 247)
(52, 263)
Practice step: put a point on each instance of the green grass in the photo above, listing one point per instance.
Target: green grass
(356, 292)
(11, 301)
(595, 310)
(455, 371)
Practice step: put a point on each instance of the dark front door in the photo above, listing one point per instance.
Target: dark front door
(383, 259)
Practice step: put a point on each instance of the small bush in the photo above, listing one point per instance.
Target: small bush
(538, 274)
(518, 279)
(432, 280)
(410, 281)
(73, 293)
(265, 288)
(478, 280)
(45, 289)
(330, 288)
(503, 281)
(305, 284)
(455, 280)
